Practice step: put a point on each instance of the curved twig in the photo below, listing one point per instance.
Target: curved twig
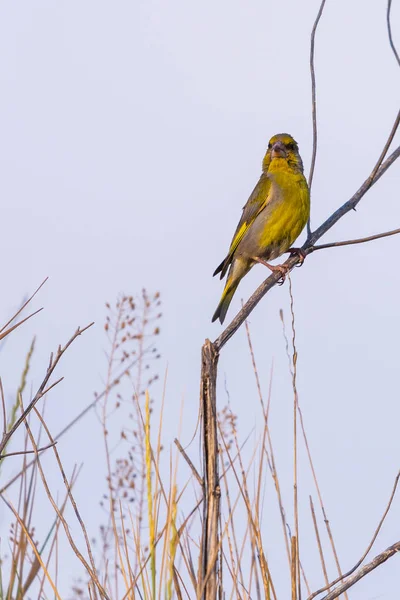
(389, 28)
(313, 103)
(360, 561)
(378, 560)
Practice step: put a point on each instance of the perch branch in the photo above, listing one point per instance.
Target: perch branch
(291, 262)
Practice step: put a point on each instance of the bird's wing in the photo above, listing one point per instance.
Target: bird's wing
(258, 200)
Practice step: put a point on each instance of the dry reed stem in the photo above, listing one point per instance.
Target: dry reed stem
(256, 544)
(88, 568)
(42, 390)
(128, 586)
(238, 568)
(32, 544)
(54, 544)
(255, 531)
(67, 487)
(150, 498)
(327, 525)
(321, 554)
(271, 456)
(214, 556)
(295, 407)
(294, 567)
(208, 580)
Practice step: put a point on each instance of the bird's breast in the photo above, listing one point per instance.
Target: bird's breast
(281, 221)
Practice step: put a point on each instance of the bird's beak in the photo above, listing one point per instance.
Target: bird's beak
(278, 150)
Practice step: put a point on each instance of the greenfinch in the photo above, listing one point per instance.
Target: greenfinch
(272, 219)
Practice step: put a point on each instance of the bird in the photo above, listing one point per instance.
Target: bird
(272, 219)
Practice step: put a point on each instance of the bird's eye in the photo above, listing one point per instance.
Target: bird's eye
(290, 146)
(269, 146)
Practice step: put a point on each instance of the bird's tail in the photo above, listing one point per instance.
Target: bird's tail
(225, 301)
(236, 272)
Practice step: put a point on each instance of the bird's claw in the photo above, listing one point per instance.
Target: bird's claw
(300, 254)
(283, 271)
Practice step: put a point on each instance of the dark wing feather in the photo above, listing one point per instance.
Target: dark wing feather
(254, 205)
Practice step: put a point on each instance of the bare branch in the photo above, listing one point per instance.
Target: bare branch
(378, 560)
(358, 563)
(8, 331)
(291, 262)
(23, 306)
(354, 200)
(370, 238)
(386, 147)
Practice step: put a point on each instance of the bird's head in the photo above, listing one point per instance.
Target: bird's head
(282, 147)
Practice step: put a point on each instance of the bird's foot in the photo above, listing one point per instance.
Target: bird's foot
(275, 268)
(300, 254)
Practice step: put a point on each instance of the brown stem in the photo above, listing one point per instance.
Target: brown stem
(208, 584)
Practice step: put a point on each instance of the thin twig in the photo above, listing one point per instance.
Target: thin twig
(189, 462)
(295, 407)
(3, 405)
(91, 571)
(389, 28)
(28, 451)
(42, 388)
(32, 544)
(378, 560)
(317, 536)
(385, 148)
(358, 563)
(78, 417)
(19, 311)
(370, 238)
(10, 329)
(313, 103)
(326, 521)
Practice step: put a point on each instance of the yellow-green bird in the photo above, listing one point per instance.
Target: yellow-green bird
(272, 219)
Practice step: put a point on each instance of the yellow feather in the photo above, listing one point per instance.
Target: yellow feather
(273, 217)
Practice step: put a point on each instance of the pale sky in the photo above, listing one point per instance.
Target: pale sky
(132, 134)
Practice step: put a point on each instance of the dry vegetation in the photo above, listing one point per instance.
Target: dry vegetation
(170, 526)
(149, 542)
